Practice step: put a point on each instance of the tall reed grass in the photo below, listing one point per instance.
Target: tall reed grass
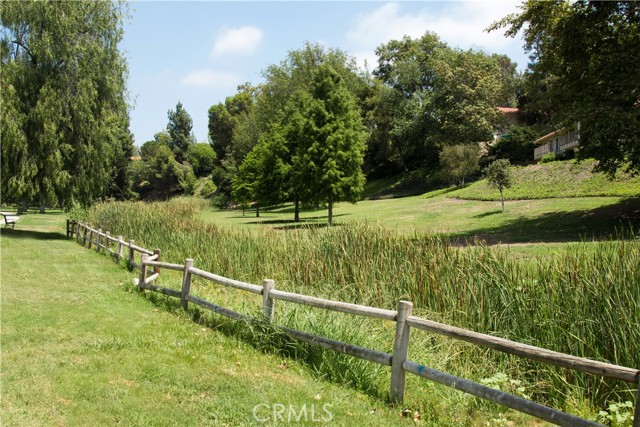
(585, 301)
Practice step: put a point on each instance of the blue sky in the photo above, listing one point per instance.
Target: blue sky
(198, 52)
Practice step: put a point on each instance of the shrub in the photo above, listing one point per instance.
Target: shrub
(208, 190)
(516, 146)
(548, 158)
(459, 162)
(202, 158)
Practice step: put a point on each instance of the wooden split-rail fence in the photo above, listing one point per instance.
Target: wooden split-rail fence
(149, 265)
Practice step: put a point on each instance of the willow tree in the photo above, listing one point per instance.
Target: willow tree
(64, 109)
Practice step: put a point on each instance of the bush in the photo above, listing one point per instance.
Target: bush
(202, 158)
(208, 190)
(516, 146)
(220, 201)
(459, 162)
(77, 213)
(548, 158)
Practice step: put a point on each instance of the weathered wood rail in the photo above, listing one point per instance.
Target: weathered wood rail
(398, 360)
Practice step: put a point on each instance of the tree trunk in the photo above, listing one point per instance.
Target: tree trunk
(257, 211)
(43, 203)
(296, 215)
(23, 207)
(330, 211)
(502, 200)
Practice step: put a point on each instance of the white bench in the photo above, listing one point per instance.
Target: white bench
(10, 219)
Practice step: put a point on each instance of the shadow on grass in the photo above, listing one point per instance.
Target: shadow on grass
(436, 193)
(310, 221)
(486, 214)
(31, 234)
(290, 209)
(305, 226)
(619, 221)
(271, 339)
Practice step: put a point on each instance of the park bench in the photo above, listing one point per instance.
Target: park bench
(10, 219)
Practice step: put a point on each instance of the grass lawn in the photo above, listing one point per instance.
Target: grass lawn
(556, 180)
(80, 347)
(548, 221)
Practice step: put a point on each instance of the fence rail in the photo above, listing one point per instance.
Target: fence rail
(398, 361)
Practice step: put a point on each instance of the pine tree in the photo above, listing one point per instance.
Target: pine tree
(329, 142)
(179, 129)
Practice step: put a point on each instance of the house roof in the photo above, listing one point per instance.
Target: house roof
(549, 136)
(507, 109)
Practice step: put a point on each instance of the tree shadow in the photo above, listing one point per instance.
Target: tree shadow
(31, 234)
(306, 226)
(618, 220)
(291, 209)
(309, 220)
(486, 214)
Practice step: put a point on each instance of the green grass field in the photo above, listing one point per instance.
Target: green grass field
(548, 204)
(524, 221)
(80, 347)
(556, 180)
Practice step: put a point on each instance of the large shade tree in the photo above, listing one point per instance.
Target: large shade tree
(432, 95)
(64, 119)
(329, 142)
(585, 67)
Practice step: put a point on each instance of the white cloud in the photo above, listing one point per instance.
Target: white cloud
(460, 24)
(211, 79)
(237, 41)
(366, 59)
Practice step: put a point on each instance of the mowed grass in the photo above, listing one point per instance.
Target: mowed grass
(581, 300)
(556, 180)
(80, 347)
(524, 221)
(548, 203)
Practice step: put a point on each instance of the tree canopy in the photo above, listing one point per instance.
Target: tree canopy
(585, 67)
(498, 176)
(313, 156)
(432, 95)
(64, 119)
(179, 130)
(328, 138)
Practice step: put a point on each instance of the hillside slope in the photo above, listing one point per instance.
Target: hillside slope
(555, 180)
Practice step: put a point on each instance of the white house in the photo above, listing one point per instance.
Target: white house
(557, 142)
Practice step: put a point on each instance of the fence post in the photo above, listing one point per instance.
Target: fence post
(99, 242)
(636, 413)
(143, 272)
(132, 254)
(400, 351)
(120, 241)
(186, 283)
(84, 235)
(268, 304)
(107, 242)
(156, 252)
(90, 239)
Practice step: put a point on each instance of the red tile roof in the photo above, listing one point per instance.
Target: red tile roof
(507, 109)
